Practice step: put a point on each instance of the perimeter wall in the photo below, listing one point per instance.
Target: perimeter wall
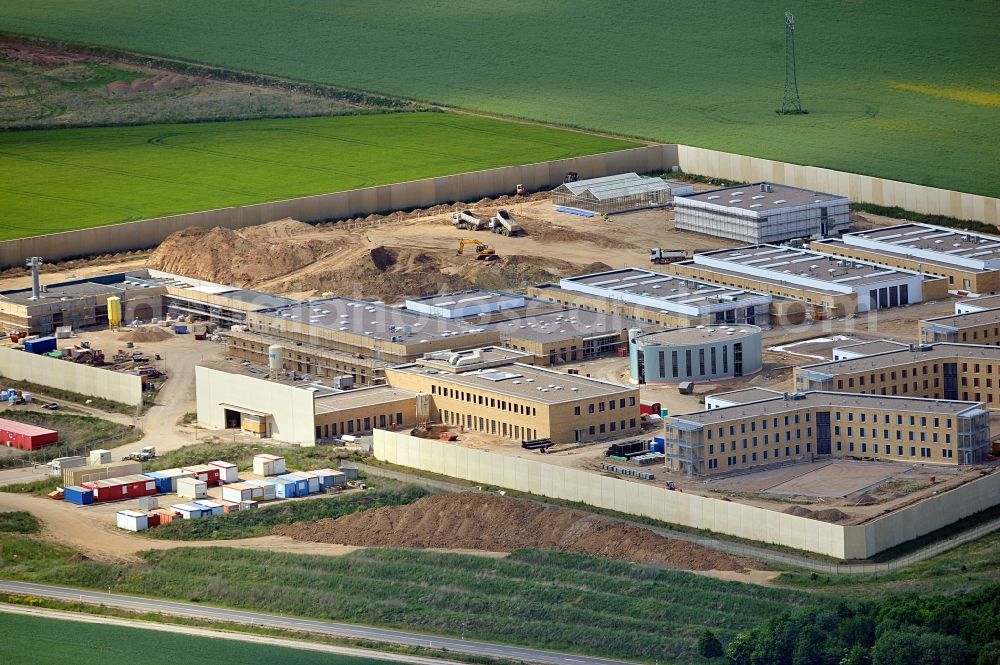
(478, 184)
(724, 517)
(64, 375)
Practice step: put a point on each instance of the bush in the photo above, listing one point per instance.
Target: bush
(709, 645)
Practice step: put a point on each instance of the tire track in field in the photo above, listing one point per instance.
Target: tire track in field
(134, 214)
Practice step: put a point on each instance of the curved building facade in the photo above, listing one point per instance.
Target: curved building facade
(701, 353)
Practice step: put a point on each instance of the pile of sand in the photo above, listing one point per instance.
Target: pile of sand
(481, 521)
(146, 334)
(826, 515)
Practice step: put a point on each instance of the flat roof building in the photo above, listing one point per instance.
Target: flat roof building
(618, 193)
(811, 425)
(741, 396)
(861, 349)
(763, 212)
(977, 304)
(969, 261)
(966, 372)
(832, 287)
(465, 304)
(702, 353)
(978, 327)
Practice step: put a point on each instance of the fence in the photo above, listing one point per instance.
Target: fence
(65, 375)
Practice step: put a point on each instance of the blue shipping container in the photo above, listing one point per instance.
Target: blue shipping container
(81, 496)
(301, 484)
(285, 489)
(40, 345)
(181, 330)
(164, 483)
(656, 447)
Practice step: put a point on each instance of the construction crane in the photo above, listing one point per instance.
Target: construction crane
(483, 251)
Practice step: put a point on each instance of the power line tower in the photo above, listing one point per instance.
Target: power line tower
(791, 104)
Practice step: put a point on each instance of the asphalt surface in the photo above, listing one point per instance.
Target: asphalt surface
(328, 628)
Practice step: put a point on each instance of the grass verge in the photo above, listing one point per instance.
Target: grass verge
(67, 396)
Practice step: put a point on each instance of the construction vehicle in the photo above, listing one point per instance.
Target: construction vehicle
(144, 455)
(466, 221)
(483, 251)
(660, 255)
(571, 176)
(504, 224)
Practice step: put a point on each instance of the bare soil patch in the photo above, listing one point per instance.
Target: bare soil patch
(481, 521)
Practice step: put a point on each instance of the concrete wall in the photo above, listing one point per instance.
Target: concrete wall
(291, 408)
(384, 198)
(64, 375)
(724, 517)
(527, 475)
(859, 188)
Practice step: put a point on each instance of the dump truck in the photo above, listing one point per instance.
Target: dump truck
(466, 221)
(503, 223)
(483, 251)
(660, 255)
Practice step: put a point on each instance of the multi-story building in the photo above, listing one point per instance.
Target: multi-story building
(966, 372)
(982, 327)
(829, 286)
(701, 353)
(969, 261)
(763, 212)
(870, 348)
(977, 304)
(806, 426)
(484, 391)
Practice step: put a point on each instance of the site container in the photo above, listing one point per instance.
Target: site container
(148, 503)
(350, 471)
(228, 472)
(239, 492)
(647, 408)
(190, 511)
(191, 488)
(248, 505)
(26, 437)
(126, 487)
(300, 486)
(311, 479)
(213, 507)
(180, 330)
(81, 496)
(268, 465)
(132, 520)
(78, 475)
(40, 345)
(166, 516)
(267, 488)
(229, 507)
(330, 478)
(166, 480)
(153, 519)
(287, 488)
(100, 456)
(658, 445)
(205, 473)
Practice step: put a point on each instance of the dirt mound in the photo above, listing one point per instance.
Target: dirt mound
(146, 334)
(481, 521)
(825, 515)
(240, 258)
(798, 511)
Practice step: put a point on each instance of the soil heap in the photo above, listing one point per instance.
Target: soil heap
(146, 334)
(482, 521)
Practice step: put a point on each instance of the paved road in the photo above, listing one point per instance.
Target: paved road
(329, 628)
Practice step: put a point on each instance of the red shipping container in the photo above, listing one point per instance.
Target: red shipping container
(126, 487)
(645, 409)
(26, 437)
(206, 473)
(153, 519)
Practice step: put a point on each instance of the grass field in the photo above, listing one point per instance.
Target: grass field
(895, 89)
(64, 179)
(77, 435)
(42, 641)
(559, 601)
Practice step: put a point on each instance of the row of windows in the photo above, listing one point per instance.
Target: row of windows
(488, 425)
(706, 361)
(482, 400)
(600, 405)
(776, 454)
(977, 368)
(359, 425)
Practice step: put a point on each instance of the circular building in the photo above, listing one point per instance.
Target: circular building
(701, 353)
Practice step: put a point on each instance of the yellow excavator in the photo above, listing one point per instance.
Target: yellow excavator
(482, 250)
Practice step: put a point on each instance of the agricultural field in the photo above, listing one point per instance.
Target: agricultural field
(543, 599)
(893, 89)
(65, 641)
(65, 179)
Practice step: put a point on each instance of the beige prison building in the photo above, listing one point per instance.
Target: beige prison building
(966, 372)
(824, 425)
(979, 327)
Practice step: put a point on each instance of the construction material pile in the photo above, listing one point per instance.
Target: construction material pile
(487, 522)
(145, 334)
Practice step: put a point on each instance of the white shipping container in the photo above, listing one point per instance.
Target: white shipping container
(132, 520)
(189, 511)
(268, 490)
(100, 457)
(191, 488)
(237, 492)
(213, 507)
(268, 465)
(227, 471)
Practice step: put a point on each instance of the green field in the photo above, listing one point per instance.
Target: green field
(559, 601)
(42, 641)
(904, 90)
(64, 179)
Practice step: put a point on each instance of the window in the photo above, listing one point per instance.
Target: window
(576, 410)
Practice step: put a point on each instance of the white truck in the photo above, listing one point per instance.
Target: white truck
(660, 255)
(504, 224)
(465, 220)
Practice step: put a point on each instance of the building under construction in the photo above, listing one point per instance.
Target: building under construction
(618, 193)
